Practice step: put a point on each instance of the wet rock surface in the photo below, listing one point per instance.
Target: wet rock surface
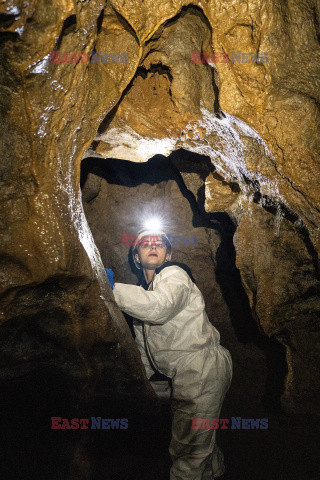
(257, 122)
(256, 128)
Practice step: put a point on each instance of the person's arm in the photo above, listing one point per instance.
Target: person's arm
(159, 306)
(141, 347)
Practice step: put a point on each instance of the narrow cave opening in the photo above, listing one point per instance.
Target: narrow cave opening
(118, 195)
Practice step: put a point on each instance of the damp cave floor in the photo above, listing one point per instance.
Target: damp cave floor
(287, 450)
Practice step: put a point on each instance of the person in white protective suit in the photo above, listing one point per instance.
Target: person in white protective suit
(175, 338)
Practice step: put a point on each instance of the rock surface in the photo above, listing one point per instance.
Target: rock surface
(257, 122)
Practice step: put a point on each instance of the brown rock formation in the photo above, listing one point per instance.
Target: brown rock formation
(257, 122)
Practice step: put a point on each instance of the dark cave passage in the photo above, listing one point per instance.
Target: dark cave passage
(121, 191)
(115, 195)
(126, 192)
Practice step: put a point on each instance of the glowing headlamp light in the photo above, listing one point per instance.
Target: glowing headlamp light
(153, 224)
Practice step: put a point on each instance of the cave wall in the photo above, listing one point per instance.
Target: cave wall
(119, 195)
(280, 276)
(259, 124)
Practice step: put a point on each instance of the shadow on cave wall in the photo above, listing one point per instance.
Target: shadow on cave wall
(162, 169)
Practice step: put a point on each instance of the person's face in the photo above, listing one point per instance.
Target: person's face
(152, 252)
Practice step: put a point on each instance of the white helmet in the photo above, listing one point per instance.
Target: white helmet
(151, 233)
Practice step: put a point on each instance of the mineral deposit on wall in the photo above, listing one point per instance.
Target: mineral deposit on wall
(258, 122)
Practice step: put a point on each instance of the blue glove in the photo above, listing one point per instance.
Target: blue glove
(109, 273)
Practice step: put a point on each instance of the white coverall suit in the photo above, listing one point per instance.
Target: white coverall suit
(175, 333)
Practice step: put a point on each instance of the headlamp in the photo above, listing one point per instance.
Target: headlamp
(153, 224)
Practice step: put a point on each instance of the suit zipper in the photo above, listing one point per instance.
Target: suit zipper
(146, 341)
(147, 348)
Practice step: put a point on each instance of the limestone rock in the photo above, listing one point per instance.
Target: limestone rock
(257, 122)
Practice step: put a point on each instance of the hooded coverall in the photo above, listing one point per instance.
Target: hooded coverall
(174, 331)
